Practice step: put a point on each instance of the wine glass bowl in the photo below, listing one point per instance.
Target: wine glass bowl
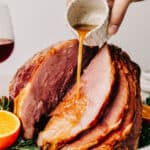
(6, 33)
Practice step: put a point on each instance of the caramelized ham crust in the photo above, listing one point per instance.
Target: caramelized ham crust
(42, 82)
(73, 116)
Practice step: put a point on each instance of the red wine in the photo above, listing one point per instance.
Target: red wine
(6, 48)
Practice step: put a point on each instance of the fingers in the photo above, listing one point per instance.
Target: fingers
(118, 12)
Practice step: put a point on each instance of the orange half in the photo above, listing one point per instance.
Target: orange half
(146, 112)
(9, 129)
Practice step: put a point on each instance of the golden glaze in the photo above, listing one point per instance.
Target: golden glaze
(82, 30)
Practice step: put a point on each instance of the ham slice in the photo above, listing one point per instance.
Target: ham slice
(111, 119)
(73, 116)
(41, 82)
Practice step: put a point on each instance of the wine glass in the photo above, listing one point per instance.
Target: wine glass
(6, 33)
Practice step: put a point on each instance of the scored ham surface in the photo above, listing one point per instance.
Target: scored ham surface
(42, 81)
(72, 116)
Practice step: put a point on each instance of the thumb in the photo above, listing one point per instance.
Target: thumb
(118, 12)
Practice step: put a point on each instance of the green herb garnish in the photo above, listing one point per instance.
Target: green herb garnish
(148, 101)
(24, 145)
(145, 135)
(6, 103)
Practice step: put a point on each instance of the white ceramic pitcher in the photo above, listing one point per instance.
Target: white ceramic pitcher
(91, 12)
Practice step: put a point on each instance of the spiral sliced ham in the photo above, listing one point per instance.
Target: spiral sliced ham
(107, 116)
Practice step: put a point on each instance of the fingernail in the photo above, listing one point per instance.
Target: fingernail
(112, 29)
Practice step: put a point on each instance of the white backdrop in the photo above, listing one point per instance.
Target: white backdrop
(39, 23)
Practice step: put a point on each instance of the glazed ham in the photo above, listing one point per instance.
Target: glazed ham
(107, 116)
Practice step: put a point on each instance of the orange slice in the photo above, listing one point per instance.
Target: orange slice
(146, 112)
(9, 129)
